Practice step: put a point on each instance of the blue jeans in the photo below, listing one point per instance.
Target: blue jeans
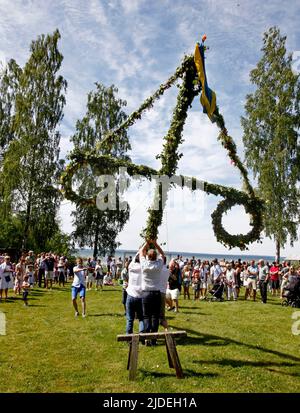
(151, 309)
(134, 306)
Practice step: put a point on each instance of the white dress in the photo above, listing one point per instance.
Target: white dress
(4, 282)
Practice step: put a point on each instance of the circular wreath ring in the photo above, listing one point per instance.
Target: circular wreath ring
(253, 207)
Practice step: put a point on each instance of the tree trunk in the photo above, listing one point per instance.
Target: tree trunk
(27, 220)
(95, 253)
(277, 257)
(29, 203)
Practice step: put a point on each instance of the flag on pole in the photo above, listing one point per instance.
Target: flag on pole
(208, 96)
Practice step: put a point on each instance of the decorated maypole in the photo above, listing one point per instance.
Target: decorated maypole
(194, 81)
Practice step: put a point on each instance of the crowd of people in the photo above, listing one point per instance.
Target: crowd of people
(149, 285)
(45, 269)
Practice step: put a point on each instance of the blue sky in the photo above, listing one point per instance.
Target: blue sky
(137, 44)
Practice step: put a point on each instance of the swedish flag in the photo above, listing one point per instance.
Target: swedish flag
(208, 96)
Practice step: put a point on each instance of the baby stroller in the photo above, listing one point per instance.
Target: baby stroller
(217, 291)
(292, 294)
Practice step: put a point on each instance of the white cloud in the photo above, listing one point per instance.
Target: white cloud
(137, 45)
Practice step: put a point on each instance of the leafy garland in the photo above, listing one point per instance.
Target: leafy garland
(169, 157)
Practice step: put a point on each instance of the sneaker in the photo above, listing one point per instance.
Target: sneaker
(76, 314)
(83, 315)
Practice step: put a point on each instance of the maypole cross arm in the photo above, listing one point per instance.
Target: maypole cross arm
(193, 83)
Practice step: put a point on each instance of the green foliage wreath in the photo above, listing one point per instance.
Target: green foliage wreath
(169, 157)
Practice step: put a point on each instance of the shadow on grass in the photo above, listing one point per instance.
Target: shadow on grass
(198, 338)
(187, 373)
(12, 300)
(284, 373)
(108, 315)
(109, 290)
(240, 363)
(183, 307)
(35, 305)
(181, 311)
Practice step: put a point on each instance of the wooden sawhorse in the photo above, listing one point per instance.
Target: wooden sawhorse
(168, 336)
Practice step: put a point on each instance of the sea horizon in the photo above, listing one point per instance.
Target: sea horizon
(88, 252)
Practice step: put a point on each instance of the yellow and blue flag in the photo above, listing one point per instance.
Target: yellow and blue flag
(208, 96)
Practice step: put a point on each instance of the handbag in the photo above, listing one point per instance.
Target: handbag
(7, 278)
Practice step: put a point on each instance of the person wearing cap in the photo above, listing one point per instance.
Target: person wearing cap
(263, 278)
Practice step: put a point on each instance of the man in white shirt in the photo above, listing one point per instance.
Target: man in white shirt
(251, 280)
(134, 296)
(215, 271)
(180, 263)
(151, 274)
(78, 286)
(263, 278)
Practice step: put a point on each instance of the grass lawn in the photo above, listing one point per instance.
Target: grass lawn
(231, 347)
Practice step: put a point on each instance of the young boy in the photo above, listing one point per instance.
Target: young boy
(78, 286)
(25, 288)
(30, 274)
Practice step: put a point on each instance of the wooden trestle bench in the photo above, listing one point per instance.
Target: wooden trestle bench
(168, 336)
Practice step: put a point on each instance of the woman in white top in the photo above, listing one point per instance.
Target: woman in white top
(6, 278)
(186, 280)
(230, 277)
(99, 275)
(61, 271)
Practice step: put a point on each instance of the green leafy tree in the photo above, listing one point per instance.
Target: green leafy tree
(93, 227)
(271, 132)
(32, 102)
(60, 243)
